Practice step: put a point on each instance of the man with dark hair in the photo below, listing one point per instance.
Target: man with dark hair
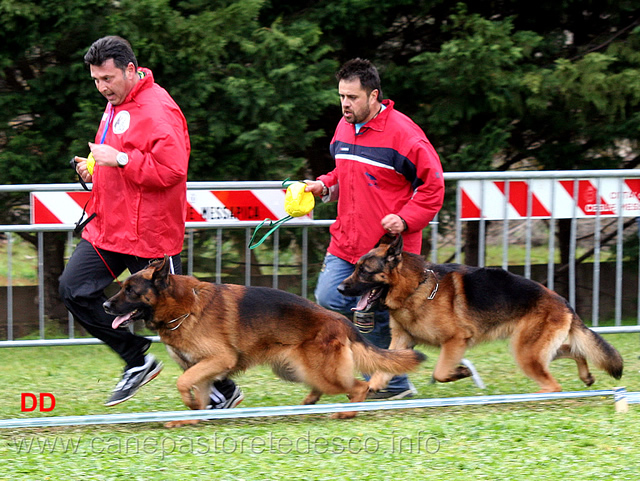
(138, 206)
(111, 47)
(388, 178)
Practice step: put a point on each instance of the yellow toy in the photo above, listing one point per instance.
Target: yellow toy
(91, 162)
(297, 203)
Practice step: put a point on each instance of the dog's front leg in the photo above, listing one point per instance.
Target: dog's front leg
(400, 339)
(448, 366)
(178, 358)
(195, 383)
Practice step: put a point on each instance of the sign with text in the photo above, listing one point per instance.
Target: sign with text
(544, 198)
(202, 206)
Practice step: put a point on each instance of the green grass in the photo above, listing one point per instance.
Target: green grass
(517, 255)
(565, 439)
(24, 262)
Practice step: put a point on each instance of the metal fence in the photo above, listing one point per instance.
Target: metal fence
(445, 241)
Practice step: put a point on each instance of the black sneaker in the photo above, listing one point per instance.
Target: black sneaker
(393, 395)
(219, 401)
(133, 379)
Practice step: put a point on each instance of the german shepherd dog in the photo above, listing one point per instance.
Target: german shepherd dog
(454, 307)
(215, 330)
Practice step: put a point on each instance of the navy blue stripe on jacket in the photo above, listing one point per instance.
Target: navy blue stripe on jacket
(383, 157)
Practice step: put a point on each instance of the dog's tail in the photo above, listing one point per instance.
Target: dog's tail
(369, 358)
(590, 345)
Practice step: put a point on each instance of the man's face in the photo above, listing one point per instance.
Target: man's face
(112, 82)
(357, 106)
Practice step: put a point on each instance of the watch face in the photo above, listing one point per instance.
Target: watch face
(122, 159)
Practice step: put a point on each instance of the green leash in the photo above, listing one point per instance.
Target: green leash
(274, 226)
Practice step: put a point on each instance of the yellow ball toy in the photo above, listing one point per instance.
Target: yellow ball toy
(91, 162)
(297, 202)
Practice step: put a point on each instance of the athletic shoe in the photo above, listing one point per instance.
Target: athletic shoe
(394, 395)
(219, 401)
(133, 379)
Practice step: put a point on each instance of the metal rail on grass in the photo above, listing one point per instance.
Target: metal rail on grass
(619, 394)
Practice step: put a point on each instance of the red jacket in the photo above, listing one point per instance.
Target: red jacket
(141, 207)
(389, 167)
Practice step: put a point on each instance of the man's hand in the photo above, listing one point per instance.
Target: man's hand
(104, 154)
(314, 186)
(393, 224)
(82, 170)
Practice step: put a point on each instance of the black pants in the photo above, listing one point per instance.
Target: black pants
(82, 286)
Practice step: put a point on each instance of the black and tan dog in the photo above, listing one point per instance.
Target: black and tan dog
(453, 307)
(215, 330)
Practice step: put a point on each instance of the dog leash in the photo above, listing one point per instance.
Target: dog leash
(115, 278)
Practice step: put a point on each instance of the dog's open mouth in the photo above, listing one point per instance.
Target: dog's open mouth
(369, 299)
(125, 320)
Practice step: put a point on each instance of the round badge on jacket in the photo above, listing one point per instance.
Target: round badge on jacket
(121, 122)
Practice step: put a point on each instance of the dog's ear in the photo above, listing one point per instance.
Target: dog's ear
(160, 276)
(386, 239)
(394, 251)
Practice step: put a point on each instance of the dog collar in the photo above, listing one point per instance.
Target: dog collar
(181, 319)
(435, 289)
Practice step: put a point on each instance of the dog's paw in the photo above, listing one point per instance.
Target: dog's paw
(589, 380)
(344, 415)
(462, 372)
(177, 424)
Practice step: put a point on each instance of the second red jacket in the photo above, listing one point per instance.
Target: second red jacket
(389, 167)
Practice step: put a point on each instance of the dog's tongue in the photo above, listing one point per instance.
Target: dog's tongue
(119, 320)
(362, 302)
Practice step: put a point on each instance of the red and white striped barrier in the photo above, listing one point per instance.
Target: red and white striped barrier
(562, 198)
(202, 206)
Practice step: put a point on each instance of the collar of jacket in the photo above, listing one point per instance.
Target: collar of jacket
(378, 123)
(144, 83)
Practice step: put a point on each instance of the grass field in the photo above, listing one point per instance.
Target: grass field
(565, 439)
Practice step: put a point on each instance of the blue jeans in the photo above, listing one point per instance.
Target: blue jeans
(334, 271)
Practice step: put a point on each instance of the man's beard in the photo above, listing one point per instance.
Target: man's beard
(357, 119)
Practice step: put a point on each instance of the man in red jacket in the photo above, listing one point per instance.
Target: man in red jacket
(138, 207)
(388, 178)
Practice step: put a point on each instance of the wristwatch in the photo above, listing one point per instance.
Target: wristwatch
(122, 159)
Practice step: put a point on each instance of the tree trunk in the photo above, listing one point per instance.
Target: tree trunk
(561, 279)
(472, 233)
(53, 253)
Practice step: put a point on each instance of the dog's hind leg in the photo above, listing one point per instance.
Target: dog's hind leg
(534, 345)
(358, 393)
(448, 366)
(564, 352)
(313, 397)
(538, 370)
(328, 368)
